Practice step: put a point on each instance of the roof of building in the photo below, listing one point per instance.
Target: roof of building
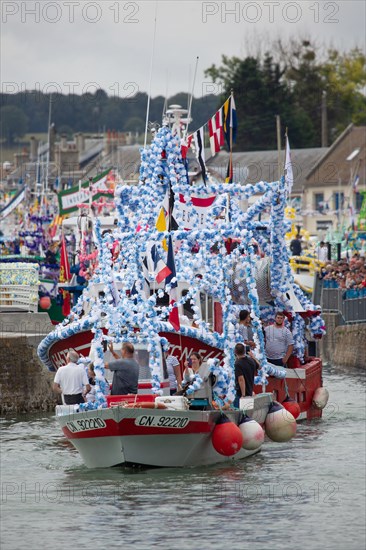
(343, 161)
(255, 166)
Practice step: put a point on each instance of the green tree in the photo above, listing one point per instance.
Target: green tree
(14, 123)
(134, 124)
(290, 81)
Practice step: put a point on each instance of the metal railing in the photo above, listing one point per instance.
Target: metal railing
(353, 310)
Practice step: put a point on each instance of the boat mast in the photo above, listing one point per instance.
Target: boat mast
(191, 99)
(150, 78)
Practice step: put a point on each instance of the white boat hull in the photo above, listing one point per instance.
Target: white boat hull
(150, 437)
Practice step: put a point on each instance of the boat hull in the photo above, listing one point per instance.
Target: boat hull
(150, 437)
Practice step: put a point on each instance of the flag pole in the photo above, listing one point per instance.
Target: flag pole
(191, 99)
(228, 203)
(150, 78)
(278, 126)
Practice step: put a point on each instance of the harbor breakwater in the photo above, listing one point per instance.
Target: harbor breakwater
(25, 384)
(343, 344)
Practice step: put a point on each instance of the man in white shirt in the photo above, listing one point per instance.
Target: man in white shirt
(279, 341)
(71, 380)
(322, 252)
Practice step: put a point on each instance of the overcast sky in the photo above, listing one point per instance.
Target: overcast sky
(78, 45)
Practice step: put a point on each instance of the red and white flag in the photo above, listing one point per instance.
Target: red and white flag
(216, 132)
(201, 204)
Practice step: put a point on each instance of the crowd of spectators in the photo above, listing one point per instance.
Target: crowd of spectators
(346, 274)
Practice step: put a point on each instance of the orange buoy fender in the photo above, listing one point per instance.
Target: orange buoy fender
(291, 406)
(320, 398)
(45, 302)
(227, 438)
(145, 405)
(252, 432)
(280, 425)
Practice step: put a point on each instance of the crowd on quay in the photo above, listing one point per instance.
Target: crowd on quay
(346, 274)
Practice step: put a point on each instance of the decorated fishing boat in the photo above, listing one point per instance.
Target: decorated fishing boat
(188, 259)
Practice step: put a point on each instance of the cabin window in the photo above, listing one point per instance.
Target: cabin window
(206, 308)
(187, 306)
(162, 302)
(142, 357)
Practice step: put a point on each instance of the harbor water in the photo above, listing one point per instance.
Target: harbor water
(309, 492)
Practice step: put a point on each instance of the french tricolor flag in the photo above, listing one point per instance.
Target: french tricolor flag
(161, 270)
(173, 296)
(154, 264)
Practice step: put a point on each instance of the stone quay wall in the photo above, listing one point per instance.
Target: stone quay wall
(25, 384)
(343, 345)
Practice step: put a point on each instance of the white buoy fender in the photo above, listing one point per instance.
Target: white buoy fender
(280, 425)
(320, 398)
(253, 434)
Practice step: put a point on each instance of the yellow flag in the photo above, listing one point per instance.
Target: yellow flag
(161, 226)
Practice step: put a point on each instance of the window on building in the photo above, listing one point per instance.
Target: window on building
(359, 199)
(322, 225)
(319, 202)
(338, 199)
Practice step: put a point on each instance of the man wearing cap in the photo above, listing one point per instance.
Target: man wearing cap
(279, 341)
(71, 380)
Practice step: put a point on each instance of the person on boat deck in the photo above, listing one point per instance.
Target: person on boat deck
(245, 369)
(245, 330)
(125, 371)
(175, 377)
(71, 380)
(90, 396)
(279, 341)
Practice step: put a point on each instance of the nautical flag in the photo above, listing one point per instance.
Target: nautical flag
(355, 184)
(168, 205)
(65, 277)
(200, 151)
(161, 226)
(229, 171)
(145, 270)
(174, 314)
(216, 132)
(230, 123)
(185, 145)
(289, 175)
(134, 293)
(65, 274)
(155, 263)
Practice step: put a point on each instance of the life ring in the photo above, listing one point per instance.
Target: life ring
(145, 405)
